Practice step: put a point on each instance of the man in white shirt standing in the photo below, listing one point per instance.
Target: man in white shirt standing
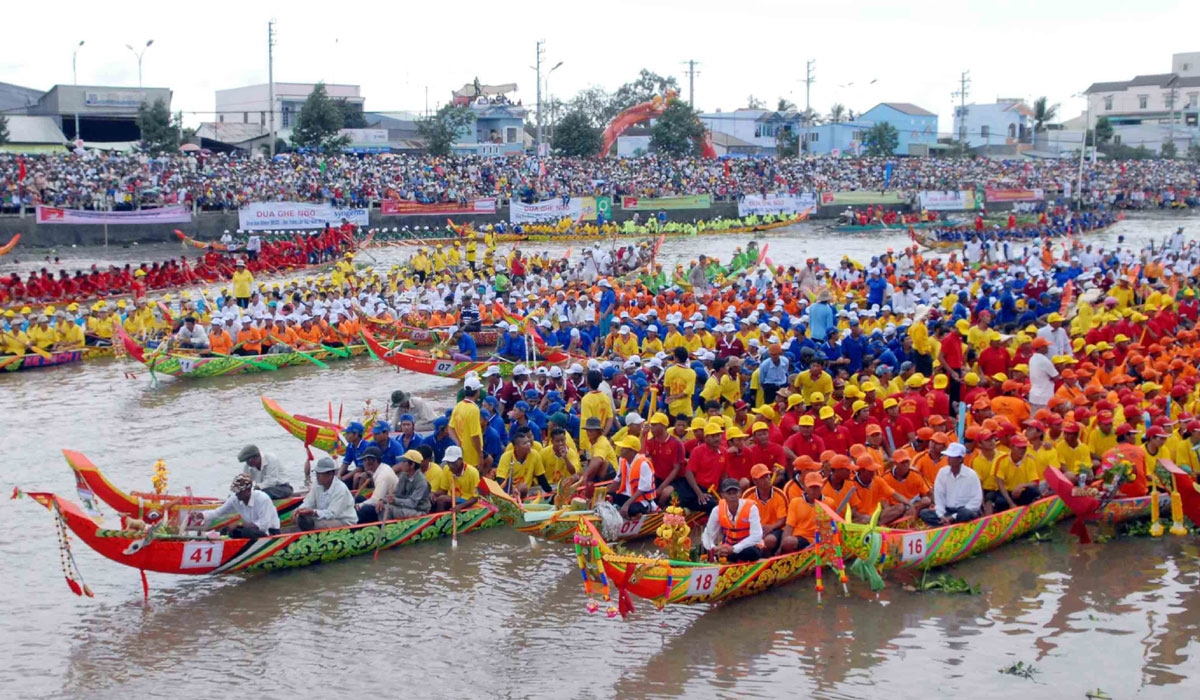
(1060, 340)
(957, 493)
(1042, 374)
(258, 515)
(329, 504)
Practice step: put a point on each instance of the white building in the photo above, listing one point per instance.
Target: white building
(252, 104)
(1000, 128)
(1151, 109)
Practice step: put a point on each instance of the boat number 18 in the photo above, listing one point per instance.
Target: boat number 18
(913, 547)
(202, 555)
(704, 581)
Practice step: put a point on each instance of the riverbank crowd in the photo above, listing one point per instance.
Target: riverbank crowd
(217, 181)
(924, 389)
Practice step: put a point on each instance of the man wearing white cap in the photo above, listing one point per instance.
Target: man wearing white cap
(957, 492)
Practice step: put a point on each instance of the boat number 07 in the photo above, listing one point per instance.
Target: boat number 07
(202, 555)
(443, 366)
(631, 527)
(704, 581)
(913, 547)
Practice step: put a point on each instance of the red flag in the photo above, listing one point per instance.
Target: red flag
(21, 169)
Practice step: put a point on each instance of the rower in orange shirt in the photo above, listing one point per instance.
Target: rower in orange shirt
(309, 333)
(874, 492)
(250, 340)
(219, 340)
(907, 481)
(772, 507)
(800, 529)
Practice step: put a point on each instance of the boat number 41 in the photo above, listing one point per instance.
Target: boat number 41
(202, 555)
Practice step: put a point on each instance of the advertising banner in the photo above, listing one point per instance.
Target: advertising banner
(998, 195)
(758, 205)
(395, 207)
(593, 207)
(181, 214)
(954, 200)
(863, 197)
(695, 201)
(549, 210)
(282, 216)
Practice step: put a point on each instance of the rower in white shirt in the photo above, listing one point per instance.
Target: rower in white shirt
(258, 515)
(191, 335)
(266, 471)
(329, 504)
(957, 493)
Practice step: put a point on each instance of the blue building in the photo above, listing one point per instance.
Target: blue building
(499, 125)
(916, 128)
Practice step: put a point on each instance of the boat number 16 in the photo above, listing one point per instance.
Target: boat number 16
(202, 555)
(913, 547)
(704, 581)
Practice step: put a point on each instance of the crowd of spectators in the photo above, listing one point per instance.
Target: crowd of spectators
(218, 181)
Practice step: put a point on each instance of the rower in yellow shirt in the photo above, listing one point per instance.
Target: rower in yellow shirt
(41, 334)
(1073, 454)
(70, 334)
(625, 345)
(652, 344)
(454, 477)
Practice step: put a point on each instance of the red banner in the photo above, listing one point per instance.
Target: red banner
(998, 195)
(394, 207)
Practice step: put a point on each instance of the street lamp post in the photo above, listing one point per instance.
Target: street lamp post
(1087, 122)
(548, 98)
(139, 55)
(74, 74)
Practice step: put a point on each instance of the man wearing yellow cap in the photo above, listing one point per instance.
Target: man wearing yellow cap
(634, 489)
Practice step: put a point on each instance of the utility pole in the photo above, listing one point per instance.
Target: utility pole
(809, 76)
(540, 50)
(964, 84)
(692, 73)
(1170, 118)
(271, 79)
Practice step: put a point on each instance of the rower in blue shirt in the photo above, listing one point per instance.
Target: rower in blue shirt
(389, 450)
(408, 438)
(355, 444)
(440, 439)
(466, 346)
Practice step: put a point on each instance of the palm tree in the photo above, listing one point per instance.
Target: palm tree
(1043, 114)
(837, 113)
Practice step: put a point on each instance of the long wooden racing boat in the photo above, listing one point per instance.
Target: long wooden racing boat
(151, 508)
(203, 245)
(897, 226)
(156, 549)
(672, 582)
(929, 239)
(32, 360)
(324, 435)
(190, 366)
(12, 243)
(423, 363)
(559, 523)
(938, 546)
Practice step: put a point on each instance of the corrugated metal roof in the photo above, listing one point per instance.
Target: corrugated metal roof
(720, 138)
(1115, 86)
(16, 98)
(24, 129)
(909, 108)
(1159, 79)
(231, 132)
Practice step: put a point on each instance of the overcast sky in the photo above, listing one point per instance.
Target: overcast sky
(914, 51)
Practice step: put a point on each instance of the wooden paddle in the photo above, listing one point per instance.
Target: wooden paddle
(453, 513)
(311, 359)
(32, 347)
(253, 363)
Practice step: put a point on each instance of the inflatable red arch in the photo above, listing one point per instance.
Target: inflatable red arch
(643, 112)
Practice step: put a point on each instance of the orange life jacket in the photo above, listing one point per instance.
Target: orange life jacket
(738, 529)
(631, 476)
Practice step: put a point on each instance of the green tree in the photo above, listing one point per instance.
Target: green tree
(787, 143)
(1043, 114)
(352, 115)
(1193, 151)
(3, 129)
(882, 140)
(1103, 132)
(160, 133)
(784, 105)
(1168, 150)
(575, 135)
(753, 102)
(678, 132)
(593, 103)
(319, 122)
(441, 130)
(645, 87)
(837, 113)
